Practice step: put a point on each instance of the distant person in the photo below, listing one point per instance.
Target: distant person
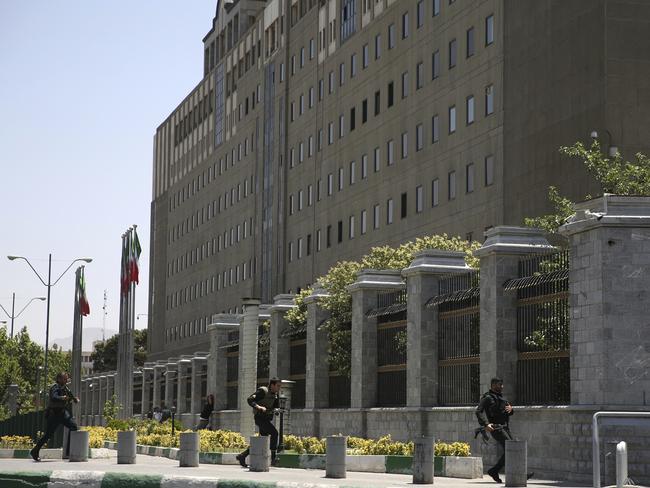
(166, 414)
(204, 418)
(157, 414)
(57, 412)
(150, 414)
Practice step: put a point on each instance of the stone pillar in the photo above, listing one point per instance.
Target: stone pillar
(364, 332)
(199, 362)
(609, 281)
(286, 391)
(79, 446)
(335, 466)
(184, 366)
(217, 362)
(248, 363)
(188, 452)
(317, 367)
(516, 463)
(147, 378)
(126, 447)
(102, 394)
(260, 455)
(110, 385)
(279, 354)
(158, 378)
(171, 377)
(422, 278)
(423, 467)
(500, 254)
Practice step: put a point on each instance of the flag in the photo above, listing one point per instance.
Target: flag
(84, 306)
(134, 263)
(124, 276)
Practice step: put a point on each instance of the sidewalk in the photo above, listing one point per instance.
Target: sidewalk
(296, 478)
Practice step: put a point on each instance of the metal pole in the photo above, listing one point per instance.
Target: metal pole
(13, 314)
(47, 321)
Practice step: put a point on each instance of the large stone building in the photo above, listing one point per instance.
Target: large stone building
(322, 128)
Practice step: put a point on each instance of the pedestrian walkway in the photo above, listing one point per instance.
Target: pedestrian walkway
(165, 470)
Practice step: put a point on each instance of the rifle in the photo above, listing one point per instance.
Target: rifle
(483, 431)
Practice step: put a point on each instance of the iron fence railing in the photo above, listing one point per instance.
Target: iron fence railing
(30, 424)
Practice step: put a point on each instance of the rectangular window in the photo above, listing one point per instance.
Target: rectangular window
(310, 147)
(420, 13)
(405, 84)
(302, 57)
(377, 102)
(390, 149)
(328, 236)
(364, 223)
(469, 109)
(452, 53)
(405, 145)
(405, 25)
(391, 89)
(301, 107)
(353, 65)
(391, 36)
(331, 82)
(489, 170)
(489, 30)
(364, 111)
(293, 64)
(469, 178)
(452, 119)
(341, 179)
(378, 46)
(330, 133)
(319, 190)
(489, 100)
(300, 248)
(300, 200)
(312, 48)
(470, 42)
(451, 183)
(404, 205)
(419, 75)
(419, 199)
(353, 172)
(353, 112)
(341, 126)
(375, 217)
(434, 193)
(351, 227)
(365, 57)
(301, 152)
(340, 231)
(290, 255)
(419, 136)
(308, 244)
(330, 184)
(435, 128)
(290, 204)
(364, 166)
(341, 74)
(376, 160)
(310, 195)
(436, 7)
(311, 97)
(318, 246)
(389, 211)
(321, 89)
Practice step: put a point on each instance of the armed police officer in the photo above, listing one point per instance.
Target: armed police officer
(57, 412)
(265, 401)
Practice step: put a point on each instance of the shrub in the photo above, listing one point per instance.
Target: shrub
(16, 442)
(221, 441)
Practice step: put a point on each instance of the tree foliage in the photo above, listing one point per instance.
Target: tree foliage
(104, 355)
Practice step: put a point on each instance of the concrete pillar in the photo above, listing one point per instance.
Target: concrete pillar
(102, 394)
(500, 255)
(184, 371)
(110, 385)
(609, 280)
(260, 455)
(158, 378)
(188, 453)
(147, 378)
(364, 332)
(199, 363)
(248, 363)
(335, 459)
(171, 378)
(422, 277)
(79, 446)
(217, 361)
(279, 354)
(516, 463)
(286, 391)
(317, 359)
(423, 455)
(126, 451)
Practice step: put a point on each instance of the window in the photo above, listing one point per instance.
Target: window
(451, 183)
(353, 172)
(292, 161)
(365, 57)
(291, 204)
(419, 75)
(320, 139)
(281, 72)
(302, 57)
(390, 148)
(378, 46)
(419, 199)
(489, 30)
(301, 152)
(290, 255)
(452, 119)
(301, 105)
(469, 109)
(434, 193)
(405, 25)
(377, 102)
(389, 211)
(489, 170)
(292, 111)
(319, 187)
(375, 217)
(341, 74)
(308, 244)
(376, 160)
(331, 82)
(341, 126)
(420, 14)
(404, 205)
(405, 84)
(436, 7)
(328, 236)
(310, 195)
(330, 184)
(330, 133)
(310, 147)
(405, 145)
(351, 227)
(300, 200)
(318, 247)
(340, 231)
(469, 178)
(452, 53)
(470, 42)
(364, 218)
(489, 100)
(353, 65)
(312, 48)
(391, 36)
(293, 64)
(311, 97)
(341, 179)
(364, 166)
(321, 89)
(419, 136)
(353, 117)
(300, 248)
(364, 111)
(435, 129)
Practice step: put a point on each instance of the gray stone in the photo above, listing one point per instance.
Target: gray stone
(335, 466)
(423, 456)
(260, 455)
(516, 463)
(79, 446)
(188, 453)
(126, 447)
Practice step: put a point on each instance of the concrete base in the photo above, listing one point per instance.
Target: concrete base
(516, 463)
(423, 453)
(126, 451)
(188, 453)
(79, 446)
(335, 466)
(260, 455)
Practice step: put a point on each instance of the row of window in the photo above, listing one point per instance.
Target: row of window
(194, 118)
(188, 329)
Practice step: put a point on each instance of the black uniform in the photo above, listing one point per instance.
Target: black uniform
(204, 418)
(264, 398)
(492, 410)
(57, 413)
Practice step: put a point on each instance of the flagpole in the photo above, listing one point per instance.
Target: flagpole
(129, 337)
(120, 337)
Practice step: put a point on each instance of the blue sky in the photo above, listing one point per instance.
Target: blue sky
(83, 86)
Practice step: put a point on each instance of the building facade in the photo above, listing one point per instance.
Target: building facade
(323, 128)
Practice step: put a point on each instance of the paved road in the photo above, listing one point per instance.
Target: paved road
(159, 465)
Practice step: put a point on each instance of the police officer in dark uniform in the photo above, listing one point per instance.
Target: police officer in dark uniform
(264, 402)
(57, 412)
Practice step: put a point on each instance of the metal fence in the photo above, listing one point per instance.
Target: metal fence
(459, 344)
(263, 356)
(543, 374)
(298, 368)
(339, 384)
(30, 424)
(232, 369)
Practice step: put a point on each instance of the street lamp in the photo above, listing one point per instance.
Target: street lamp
(13, 315)
(49, 286)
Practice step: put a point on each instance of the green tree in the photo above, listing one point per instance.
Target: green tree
(104, 355)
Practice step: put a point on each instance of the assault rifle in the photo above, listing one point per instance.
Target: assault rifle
(484, 432)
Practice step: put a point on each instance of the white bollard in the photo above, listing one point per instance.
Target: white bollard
(516, 463)
(335, 459)
(260, 455)
(621, 464)
(188, 454)
(126, 450)
(423, 453)
(79, 446)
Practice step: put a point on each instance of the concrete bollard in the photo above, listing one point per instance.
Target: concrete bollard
(516, 463)
(126, 450)
(188, 454)
(79, 446)
(621, 464)
(423, 453)
(335, 460)
(260, 455)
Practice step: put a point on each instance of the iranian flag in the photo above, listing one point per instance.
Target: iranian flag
(134, 258)
(84, 306)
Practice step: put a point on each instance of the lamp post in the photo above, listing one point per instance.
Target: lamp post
(282, 400)
(14, 315)
(173, 410)
(49, 286)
